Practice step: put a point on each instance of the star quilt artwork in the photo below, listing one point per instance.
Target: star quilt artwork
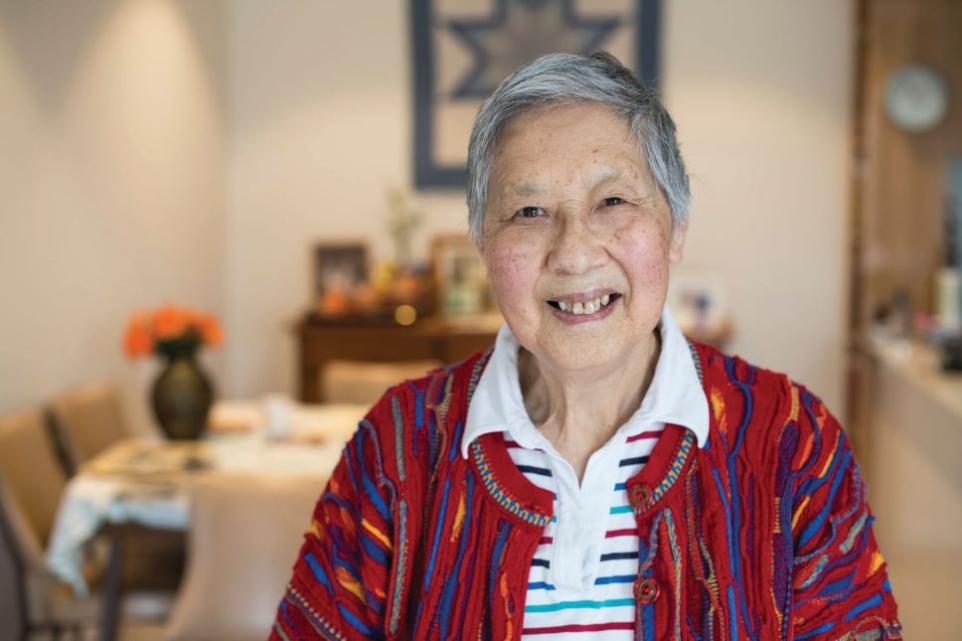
(462, 49)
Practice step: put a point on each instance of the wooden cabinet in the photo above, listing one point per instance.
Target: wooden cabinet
(903, 417)
(899, 188)
(435, 338)
(900, 176)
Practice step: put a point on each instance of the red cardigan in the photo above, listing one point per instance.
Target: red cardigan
(762, 534)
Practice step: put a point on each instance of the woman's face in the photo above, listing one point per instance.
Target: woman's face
(577, 237)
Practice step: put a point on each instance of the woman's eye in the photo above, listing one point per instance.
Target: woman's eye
(614, 201)
(528, 212)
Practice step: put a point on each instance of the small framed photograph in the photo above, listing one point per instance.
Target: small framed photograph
(339, 267)
(460, 279)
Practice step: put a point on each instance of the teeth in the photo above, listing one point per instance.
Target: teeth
(587, 307)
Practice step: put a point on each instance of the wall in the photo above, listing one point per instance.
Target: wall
(320, 111)
(112, 175)
(320, 119)
(762, 94)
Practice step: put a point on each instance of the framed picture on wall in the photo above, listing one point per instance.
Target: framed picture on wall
(462, 49)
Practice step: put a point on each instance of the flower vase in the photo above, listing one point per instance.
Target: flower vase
(182, 394)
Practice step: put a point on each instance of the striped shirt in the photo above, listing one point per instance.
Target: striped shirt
(604, 604)
(582, 573)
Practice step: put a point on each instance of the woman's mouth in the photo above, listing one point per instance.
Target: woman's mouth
(573, 311)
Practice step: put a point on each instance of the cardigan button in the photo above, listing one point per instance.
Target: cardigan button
(639, 496)
(646, 591)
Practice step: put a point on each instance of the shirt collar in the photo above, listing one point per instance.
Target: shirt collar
(674, 396)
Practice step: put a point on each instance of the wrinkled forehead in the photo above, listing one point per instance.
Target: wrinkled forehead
(585, 145)
(570, 112)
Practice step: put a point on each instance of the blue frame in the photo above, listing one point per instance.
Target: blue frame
(427, 172)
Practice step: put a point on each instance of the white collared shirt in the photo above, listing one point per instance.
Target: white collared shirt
(583, 570)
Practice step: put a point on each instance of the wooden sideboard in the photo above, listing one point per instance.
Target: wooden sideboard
(444, 340)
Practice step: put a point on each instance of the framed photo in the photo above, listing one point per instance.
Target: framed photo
(339, 266)
(460, 279)
(462, 49)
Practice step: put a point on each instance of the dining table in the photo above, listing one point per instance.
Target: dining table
(141, 487)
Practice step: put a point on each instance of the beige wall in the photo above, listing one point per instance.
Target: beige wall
(320, 111)
(762, 93)
(112, 175)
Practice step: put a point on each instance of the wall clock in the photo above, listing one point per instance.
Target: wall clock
(916, 98)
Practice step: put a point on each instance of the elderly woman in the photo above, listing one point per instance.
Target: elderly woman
(595, 474)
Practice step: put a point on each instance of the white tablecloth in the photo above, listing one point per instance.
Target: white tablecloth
(92, 499)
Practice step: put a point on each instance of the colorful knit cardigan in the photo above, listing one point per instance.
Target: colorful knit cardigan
(762, 534)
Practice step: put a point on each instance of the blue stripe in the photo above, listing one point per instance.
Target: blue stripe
(370, 489)
(648, 621)
(812, 484)
(337, 500)
(825, 627)
(580, 605)
(454, 449)
(504, 528)
(816, 524)
(372, 549)
(733, 615)
(418, 406)
(632, 461)
(437, 535)
(617, 578)
(531, 469)
(837, 586)
(318, 571)
(447, 596)
(358, 624)
(540, 585)
(620, 509)
(863, 606)
(619, 556)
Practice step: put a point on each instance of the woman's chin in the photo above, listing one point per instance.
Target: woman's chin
(585, 351)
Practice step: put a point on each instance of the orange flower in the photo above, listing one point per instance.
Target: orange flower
(170, 322)
(210, 330)
(137, 338)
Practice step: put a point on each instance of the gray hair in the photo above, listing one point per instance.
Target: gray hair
(560, 78)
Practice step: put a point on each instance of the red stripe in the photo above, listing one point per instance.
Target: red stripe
(638, 437)
(511, 444)
(592, 627)
(610, 534)
(544, 539)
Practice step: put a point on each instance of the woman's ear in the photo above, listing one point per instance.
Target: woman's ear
(676, 242)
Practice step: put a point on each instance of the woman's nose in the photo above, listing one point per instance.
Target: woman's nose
(576, 248)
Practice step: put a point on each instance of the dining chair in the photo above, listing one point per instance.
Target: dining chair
(244, 537)
(31, 484)
(365, 382)
(86, 421)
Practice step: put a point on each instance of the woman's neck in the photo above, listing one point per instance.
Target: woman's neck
(579, 411)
